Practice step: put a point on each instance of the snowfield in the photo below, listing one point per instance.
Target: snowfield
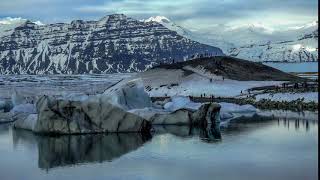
(174, 83)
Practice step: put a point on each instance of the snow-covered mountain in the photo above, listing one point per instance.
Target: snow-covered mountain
(115, 43)
(294, 45)
(257, 42)
(8, 24)
(202, 37)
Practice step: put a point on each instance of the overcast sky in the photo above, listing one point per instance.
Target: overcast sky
(199, 14)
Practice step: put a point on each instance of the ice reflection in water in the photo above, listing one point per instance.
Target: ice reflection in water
(55, 151)
(79, 149)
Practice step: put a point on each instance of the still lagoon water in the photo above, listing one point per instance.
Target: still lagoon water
(250, 148)
(297, 67)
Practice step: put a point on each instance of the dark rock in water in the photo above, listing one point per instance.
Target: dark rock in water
(205, 115)
(95, 115)
(208, 114)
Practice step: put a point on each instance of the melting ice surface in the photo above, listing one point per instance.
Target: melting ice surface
(251, 148)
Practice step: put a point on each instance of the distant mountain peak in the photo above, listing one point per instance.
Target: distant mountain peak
(256, 41)
(8, 24)
(313, 24)
(158, 19)
(117, 16)
(17, 21)
(114, 17)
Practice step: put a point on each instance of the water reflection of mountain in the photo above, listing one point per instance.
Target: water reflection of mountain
(79, 149)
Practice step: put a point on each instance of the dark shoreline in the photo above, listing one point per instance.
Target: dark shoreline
(296, 106)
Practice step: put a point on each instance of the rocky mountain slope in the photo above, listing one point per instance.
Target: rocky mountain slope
(256, 42)
(295, 45)
(115, 43)
(231, 68)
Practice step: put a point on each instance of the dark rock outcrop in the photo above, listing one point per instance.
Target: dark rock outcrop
(233, 68)
(206, 115)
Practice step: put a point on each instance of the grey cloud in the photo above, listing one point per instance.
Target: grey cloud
(201, 12)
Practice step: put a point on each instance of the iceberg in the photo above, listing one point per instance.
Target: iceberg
(128, 94)
(94, 115)
(26, 122)
(124, 107)
(230, 110)
(180, 102)
(24, 108)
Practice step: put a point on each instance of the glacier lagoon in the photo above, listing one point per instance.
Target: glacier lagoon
(251, 148)
(281, 146)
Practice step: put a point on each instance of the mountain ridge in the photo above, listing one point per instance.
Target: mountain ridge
(114, 43)
(256, 42)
